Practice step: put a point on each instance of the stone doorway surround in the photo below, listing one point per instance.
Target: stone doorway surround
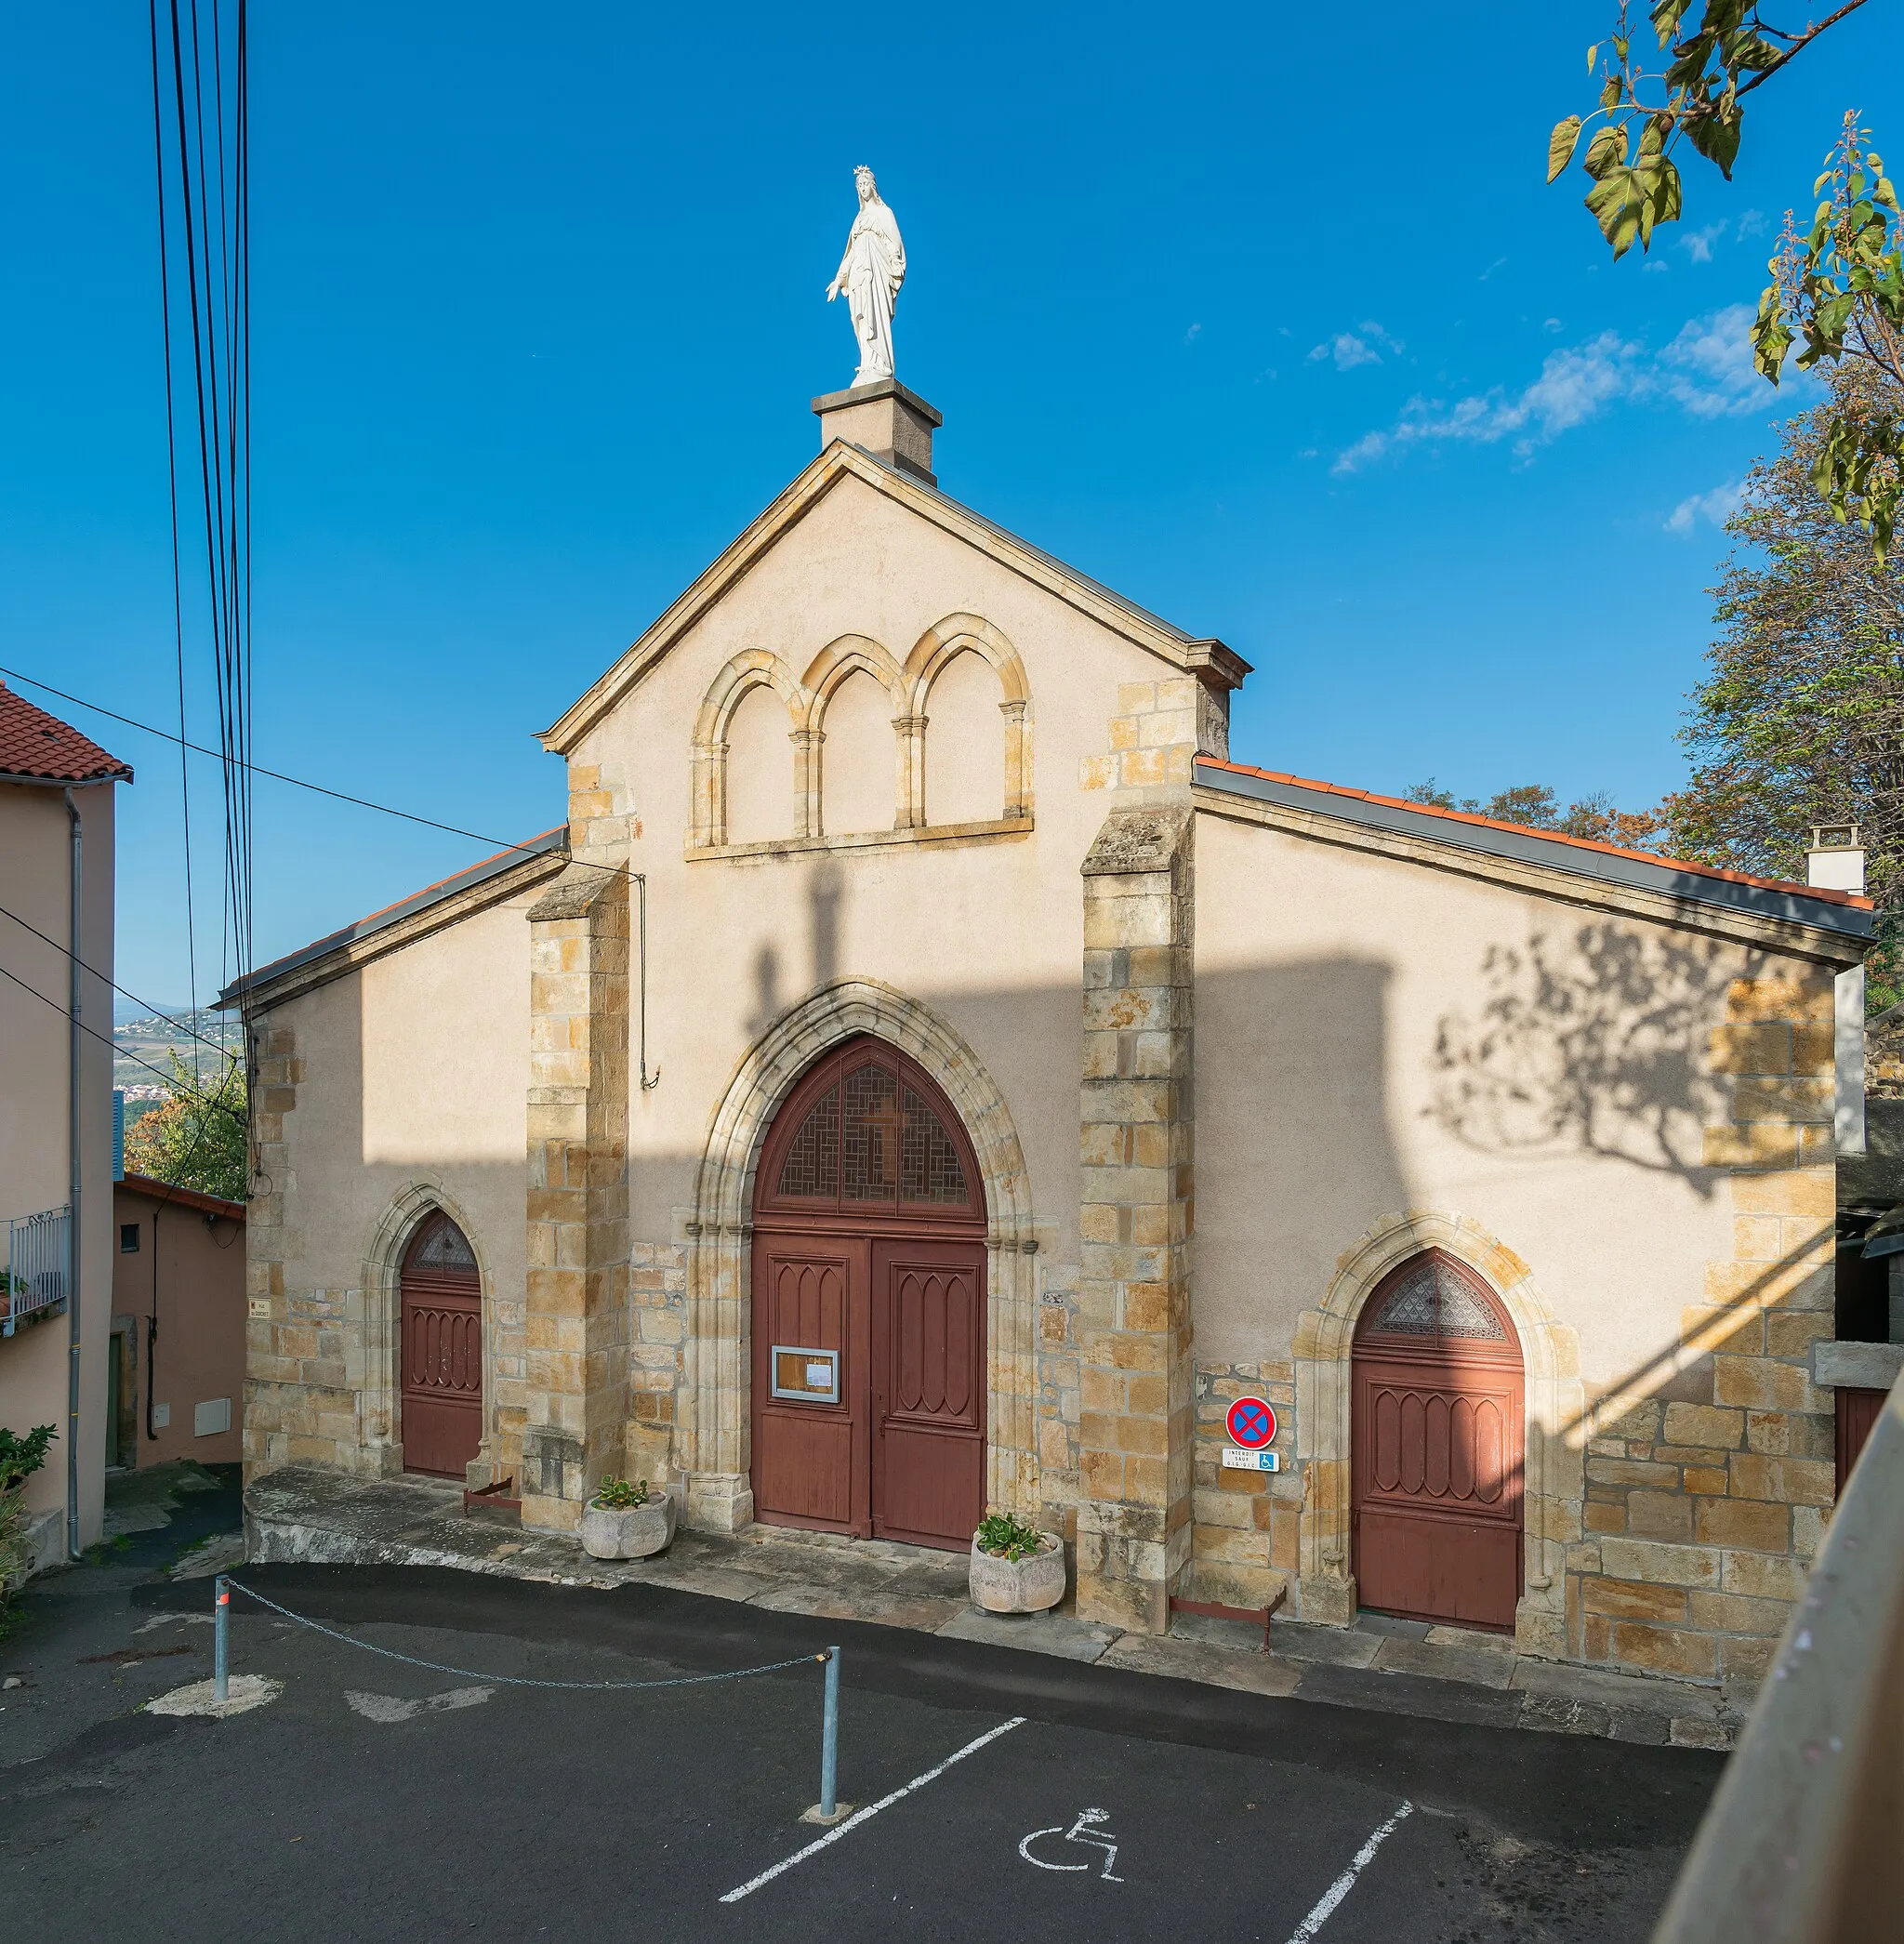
(714, 1447)
(1555, 1482)
(380, 1422)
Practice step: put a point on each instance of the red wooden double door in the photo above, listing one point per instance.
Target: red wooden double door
(1438, 1418)
(870, 1308)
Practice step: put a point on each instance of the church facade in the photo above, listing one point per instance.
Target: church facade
(925, 1075)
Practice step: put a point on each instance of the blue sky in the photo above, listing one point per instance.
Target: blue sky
(1267, 319)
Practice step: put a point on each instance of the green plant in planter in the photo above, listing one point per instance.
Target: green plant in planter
(1008, 1538)
(621, 1494)
(19, 1457)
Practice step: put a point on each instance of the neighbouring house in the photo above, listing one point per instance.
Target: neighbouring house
(175, 1373)
(56, 1109)
(926, 1074)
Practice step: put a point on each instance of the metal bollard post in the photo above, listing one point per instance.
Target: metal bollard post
(829, 1738)
(221, 1608)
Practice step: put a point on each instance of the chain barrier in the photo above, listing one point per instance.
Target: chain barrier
(227, 1586)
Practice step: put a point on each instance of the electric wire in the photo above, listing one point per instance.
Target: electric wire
(172, 492)
(153, 1012)
(409, 816)
(60, 1007)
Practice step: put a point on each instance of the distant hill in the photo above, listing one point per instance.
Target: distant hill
(141, 1042)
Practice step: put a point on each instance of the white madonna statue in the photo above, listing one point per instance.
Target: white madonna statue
(870, 275)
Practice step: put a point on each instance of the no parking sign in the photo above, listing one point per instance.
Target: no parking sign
(1250, 1422)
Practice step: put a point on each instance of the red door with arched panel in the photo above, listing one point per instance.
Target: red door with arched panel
(869, 1307)
(1437, 1417)
(441, 1345)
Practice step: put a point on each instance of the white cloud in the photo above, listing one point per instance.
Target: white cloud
(1706, 370)
(1191, 335)
(1698, 244)
(1364, 345)
(1715, 508)
(1753, 223)
(1707, 367)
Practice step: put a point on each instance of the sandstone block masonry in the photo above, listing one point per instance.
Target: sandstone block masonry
(1246, 1524)
(1708, 1479)
(576, 1365)
(1134, 1221)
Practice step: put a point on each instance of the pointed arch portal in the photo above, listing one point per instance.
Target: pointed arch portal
(869, 1355)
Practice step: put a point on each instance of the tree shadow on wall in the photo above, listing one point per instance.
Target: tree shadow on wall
(1594, 1045)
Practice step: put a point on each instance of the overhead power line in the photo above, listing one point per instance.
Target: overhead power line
(59, 1007)
(389, 810)
(156, 1011)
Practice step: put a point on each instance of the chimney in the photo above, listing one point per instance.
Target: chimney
(1835, 860)
(888, 421)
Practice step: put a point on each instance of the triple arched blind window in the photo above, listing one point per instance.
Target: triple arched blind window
(863, 744)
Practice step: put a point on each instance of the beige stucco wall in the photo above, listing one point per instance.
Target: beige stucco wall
(190, 1264)
(417, 1062)
(1337, 993)
(35, 864)
(987, 931)
(398, 1085)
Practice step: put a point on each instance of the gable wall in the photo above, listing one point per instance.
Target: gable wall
(987, 931)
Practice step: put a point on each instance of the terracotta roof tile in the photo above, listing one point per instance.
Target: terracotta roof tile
(1555, 837)
(40, 747)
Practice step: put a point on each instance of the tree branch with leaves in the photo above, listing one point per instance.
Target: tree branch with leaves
(1839, 287)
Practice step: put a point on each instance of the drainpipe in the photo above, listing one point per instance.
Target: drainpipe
(73, 1231)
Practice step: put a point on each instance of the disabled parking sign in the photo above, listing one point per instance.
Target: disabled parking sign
(1250, 1422)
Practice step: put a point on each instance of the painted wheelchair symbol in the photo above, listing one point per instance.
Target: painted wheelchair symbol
(1086, 1829)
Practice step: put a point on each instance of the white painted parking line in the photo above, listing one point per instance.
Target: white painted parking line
(388, 1708)
(1325, 1908)
(872, 1809)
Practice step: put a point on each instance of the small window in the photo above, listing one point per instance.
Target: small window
(128, 1238)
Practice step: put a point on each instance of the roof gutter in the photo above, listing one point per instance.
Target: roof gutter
(1662, 878)
(65, 783)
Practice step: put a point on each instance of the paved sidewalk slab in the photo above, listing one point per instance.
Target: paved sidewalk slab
(1036, 1632)
(1380, 1663)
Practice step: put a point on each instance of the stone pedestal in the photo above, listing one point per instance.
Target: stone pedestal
(577, 1379)
(1137, 1409)
(892, 423)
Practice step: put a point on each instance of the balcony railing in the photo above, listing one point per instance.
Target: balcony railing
(38, 1270)
(1805, 1841)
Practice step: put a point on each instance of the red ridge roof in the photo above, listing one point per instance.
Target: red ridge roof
(1553, 837)
(183, 1197)
(40, 747)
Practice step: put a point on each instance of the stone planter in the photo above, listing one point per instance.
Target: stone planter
(1019, 1585)
(634, 1532)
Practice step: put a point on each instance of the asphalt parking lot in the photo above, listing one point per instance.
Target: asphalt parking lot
(377, 1800)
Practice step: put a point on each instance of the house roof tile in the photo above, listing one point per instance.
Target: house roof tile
(36, 747)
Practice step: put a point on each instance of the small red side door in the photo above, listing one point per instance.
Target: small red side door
(929, 1390)
(809, 1320)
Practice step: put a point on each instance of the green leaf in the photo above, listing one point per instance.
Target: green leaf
(1562, 143)
(1771, 335)
(1592, 55)
(1619, 201)
(1690, 64)
(1715, 136)
(1606, 150)
(1666, 15)
(1609, 95)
